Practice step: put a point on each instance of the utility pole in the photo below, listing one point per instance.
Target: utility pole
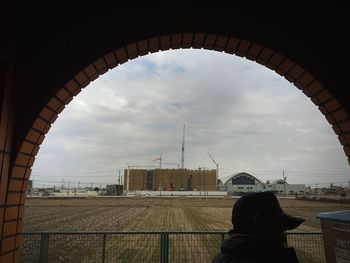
(284, 183)
(200, 181)
(68, 187)
(119, 177)
(182, 160)
(62, 185)
(204, 185)
(127, 180)
(32, 190)
(159, 175)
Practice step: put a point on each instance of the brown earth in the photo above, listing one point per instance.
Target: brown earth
(152, 214)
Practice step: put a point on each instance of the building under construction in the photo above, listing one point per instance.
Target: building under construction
(170, 179)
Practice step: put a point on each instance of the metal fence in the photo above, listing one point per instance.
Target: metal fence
(145, 246)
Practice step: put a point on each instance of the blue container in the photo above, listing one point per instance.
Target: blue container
(336, 235)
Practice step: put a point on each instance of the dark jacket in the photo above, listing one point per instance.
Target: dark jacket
(242, 248)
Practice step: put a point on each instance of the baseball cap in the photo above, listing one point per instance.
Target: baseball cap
(267, 207)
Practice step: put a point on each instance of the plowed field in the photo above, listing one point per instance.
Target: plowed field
(152, 214)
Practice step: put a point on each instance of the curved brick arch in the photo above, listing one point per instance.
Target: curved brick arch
(296, 74)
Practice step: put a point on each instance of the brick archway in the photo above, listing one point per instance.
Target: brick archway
(13, 197)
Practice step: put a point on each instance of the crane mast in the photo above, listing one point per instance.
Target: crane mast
(182, 160)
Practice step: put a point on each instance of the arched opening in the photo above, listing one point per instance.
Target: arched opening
(136, 98)
(311, 87)
(290, 70)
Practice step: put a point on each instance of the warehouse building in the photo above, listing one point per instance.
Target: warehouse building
(244, 183)
(114, 189)
(281, 187)
(170, 179)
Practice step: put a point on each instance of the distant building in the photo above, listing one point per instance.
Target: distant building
(331, 190)
(45, 191)
(282, 187)
(244, 183)
(114, 189)
(170, 179)
(30, 188)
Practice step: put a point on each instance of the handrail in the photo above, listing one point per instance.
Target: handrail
(164, 243)
(146, 232)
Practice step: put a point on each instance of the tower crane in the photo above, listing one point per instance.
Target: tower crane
(217, 167)
(160, 161)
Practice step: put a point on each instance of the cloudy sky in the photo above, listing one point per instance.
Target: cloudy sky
(248, 117)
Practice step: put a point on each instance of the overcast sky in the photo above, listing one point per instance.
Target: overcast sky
(249, 118)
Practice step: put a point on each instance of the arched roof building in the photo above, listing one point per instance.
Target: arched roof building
(245, 182)
(242, 182)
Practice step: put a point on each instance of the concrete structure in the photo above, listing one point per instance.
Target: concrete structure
(170, 179)
(244, 183)
(30, 187)
(114, 189)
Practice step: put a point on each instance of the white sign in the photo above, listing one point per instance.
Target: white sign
(342, 251)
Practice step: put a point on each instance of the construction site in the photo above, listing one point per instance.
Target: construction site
(138, 178)
(170, 179)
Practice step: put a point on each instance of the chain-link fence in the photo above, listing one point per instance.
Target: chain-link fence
(145, 246)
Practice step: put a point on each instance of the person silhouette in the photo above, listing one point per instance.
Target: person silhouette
(259, 232)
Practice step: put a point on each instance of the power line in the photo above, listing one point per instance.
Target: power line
(78, 176)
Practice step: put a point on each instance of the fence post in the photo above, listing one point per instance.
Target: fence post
(104, 248)
(164, 247)
(44, 247)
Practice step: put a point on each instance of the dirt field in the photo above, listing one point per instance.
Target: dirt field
(152, 214)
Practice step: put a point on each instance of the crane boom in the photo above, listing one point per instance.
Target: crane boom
(211, 157)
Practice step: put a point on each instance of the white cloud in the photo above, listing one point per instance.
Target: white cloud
(247, 116)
